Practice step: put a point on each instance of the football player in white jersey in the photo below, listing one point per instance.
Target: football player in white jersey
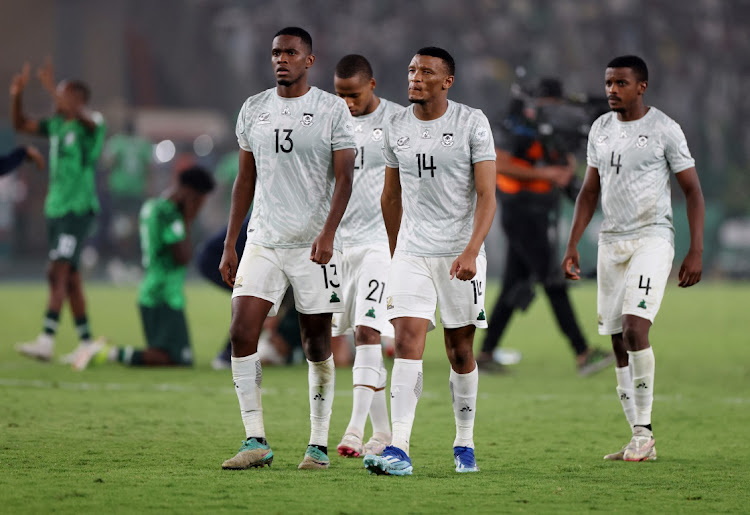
(294, 141)
(440, 173)
(631, 153)
(365, 258)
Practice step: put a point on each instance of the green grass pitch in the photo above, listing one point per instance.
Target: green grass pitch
(112, 439)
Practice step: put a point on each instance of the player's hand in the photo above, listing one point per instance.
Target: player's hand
(228, 265)
(691, 269)
(46, 75)
(570, 264)
(20, 80)
(322, 248)
(464, 267)
(33, 154)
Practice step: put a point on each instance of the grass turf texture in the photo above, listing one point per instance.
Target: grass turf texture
(126, 440)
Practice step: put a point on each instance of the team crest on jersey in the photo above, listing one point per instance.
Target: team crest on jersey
(69, 139)
(447, 139)
(642, 141)
(481, 134)
(377, 134)
(601, 140)
(286, 111)
(403, 143)
(426, 134)
(307, 119)
(264, 118)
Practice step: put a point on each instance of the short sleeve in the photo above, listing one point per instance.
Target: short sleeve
(342, 127)
(96, 138)
(389, 155)
(676, 149)
(173, 232)
(591, 158)
(242, 129)
(481, 142)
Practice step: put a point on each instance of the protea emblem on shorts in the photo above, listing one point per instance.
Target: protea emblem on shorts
(481, 316)
(371, 313)
(238, 282)
(389, 303)
(334, 297)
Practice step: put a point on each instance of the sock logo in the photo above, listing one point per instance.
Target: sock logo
(642, 384)
(624, 397)
(466, 409)
(318, 397)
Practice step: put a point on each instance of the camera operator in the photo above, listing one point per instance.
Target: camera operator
(536, 168)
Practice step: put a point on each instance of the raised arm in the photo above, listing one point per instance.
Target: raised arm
(343, 168)
(243, 193)
(584, 211)
(692, 265)
(465, 266)
(20, 122)
(390, 204)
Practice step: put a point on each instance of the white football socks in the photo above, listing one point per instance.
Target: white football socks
(625, 393)
(464, 394)
(643, 365)
(379, 406)
(366, 377)
(406, 388)
(321, 378)
(248, 375)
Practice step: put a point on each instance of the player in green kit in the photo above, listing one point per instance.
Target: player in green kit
(164, 226)
(76, 136)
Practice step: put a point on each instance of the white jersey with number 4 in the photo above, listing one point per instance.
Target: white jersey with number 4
(634, 160)
(363, 220)
(436, 161)
(292, 141)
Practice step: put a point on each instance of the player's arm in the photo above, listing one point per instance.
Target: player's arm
(509, 166)
(343, 169)
(182, 251)
(692, 265)
(465, 266)
(243, 193)
(20, 121)
(390, 204)
(584, 211)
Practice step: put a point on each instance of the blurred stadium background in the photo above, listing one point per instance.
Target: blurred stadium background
(170, 75)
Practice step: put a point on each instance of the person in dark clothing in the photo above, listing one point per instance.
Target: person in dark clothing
(532, 173)
(18, 155)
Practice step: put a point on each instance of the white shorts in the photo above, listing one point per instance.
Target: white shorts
(365, 273)
(266, 273)
(631, 278)
(416, 285)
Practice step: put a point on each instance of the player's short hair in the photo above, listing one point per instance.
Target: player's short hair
(434, 51)
(549, 87)
(80, 88)
(198, 179)
(353, 64)
(298, 32)
(633, 62)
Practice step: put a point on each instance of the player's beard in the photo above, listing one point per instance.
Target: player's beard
(420, 101)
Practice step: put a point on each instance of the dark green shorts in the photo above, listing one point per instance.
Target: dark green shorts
(66, 235)
(166, 329)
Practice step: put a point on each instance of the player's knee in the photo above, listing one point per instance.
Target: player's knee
(635, 336)
(366, 336)
(244, 339)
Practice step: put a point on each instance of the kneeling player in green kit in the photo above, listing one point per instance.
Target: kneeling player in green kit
(164, 226)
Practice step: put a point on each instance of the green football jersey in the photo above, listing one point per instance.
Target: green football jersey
(73, 153)
(130, 157)
(161, 225)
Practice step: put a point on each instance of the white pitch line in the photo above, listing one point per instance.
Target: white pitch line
(181, 388)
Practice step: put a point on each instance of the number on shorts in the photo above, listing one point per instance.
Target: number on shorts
(378, 286)
(646, 286)
(330, 283)
(477, 289)
(66, 245)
